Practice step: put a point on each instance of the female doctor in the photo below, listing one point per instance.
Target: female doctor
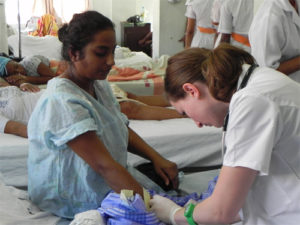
(260, 178)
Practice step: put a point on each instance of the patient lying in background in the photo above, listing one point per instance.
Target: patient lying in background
(33, 69)
(16, 107)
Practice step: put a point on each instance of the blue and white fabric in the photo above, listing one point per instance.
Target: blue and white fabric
(3, 62)
(131, 212)
(59, 180)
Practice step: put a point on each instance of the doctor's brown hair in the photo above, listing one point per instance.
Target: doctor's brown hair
(219, 69)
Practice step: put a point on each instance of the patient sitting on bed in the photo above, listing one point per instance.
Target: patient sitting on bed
(16, 107)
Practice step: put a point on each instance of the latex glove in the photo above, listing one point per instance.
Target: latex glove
(90, 217)
(164, 209)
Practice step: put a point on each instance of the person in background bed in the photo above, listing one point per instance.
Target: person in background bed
(32, 69)
(138, 107)
(260, 110)
(16, 107)
(78, 139)
(275, 36)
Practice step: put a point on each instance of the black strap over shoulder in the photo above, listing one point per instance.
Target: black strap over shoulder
(247, 76)
(243, 84)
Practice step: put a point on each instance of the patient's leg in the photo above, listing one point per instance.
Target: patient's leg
(138, 111)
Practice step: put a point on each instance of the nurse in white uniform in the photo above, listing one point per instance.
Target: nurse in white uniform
(200, 31)
(235, 20)
(260, 173)
(275, 36)
(215, 18)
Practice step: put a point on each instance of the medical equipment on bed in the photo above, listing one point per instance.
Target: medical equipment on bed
(243, 84)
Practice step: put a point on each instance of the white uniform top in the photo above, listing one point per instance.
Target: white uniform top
(200, 11)
(263, 134)
(188, 2)
(236, 17)
(16, 105)
(275, 34)
(215, 11)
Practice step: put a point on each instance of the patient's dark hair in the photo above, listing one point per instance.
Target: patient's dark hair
(219, 69)
(81, 30)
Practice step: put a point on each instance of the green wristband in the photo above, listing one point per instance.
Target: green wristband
(188, 213)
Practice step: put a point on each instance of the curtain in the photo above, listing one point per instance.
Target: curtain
(62, 10)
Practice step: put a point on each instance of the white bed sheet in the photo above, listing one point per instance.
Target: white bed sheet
(16, 208)
(179, 140)
(48, 46)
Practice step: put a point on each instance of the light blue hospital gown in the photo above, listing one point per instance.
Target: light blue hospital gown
(58, 179)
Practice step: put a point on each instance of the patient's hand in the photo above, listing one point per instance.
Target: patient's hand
(167, 170)
(4, 83)
(16, 79)
(29, 87)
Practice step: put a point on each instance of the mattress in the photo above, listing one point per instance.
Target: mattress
(179, 140)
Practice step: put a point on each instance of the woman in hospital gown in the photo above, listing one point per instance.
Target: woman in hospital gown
(78, 139)
(260, 172)
(275, 36)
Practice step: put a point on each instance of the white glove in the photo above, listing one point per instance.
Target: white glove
(164, 209)
(90, 217)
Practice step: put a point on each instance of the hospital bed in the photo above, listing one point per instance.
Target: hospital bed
(179, 140)
(145, 77)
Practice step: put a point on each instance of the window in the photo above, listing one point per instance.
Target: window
(63, 9)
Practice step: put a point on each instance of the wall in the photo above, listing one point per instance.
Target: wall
(103, 6)
(168, 27)
(117, 11)
(167, 20)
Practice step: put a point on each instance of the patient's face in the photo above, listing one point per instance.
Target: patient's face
(98, 56)
(13, 68)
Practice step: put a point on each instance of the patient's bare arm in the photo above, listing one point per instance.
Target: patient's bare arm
(138, 111)
(16, 128)
(154, 100)
(3, 83)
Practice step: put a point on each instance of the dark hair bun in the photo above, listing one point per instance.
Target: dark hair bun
(62, 32)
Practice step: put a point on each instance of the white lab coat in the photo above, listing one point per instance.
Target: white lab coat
(263, 134)
(275, 34)
(236, 17)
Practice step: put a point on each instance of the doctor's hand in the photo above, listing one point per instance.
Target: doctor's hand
(167, 170)
(164, 208)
